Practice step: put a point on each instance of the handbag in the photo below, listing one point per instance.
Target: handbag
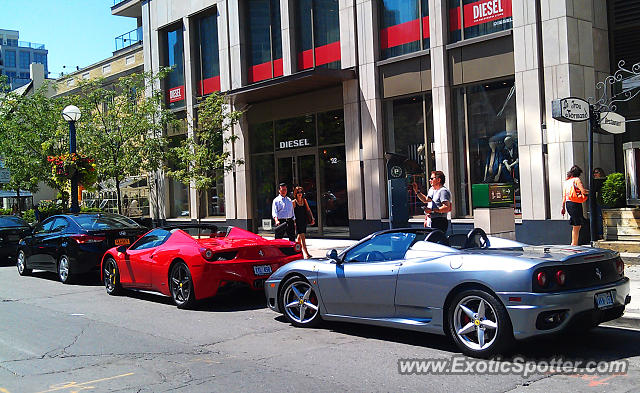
(575, 195)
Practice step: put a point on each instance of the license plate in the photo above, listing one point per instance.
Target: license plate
(122, 242)
(262, 270)
(605, 299)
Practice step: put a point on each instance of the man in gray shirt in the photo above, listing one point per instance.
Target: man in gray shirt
(438, 200)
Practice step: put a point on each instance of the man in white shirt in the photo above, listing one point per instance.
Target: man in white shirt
(282, 213)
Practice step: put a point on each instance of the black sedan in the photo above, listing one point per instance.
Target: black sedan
(12, 229)
(74, 244)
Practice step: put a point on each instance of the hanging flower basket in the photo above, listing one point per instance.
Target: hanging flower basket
(65, 166)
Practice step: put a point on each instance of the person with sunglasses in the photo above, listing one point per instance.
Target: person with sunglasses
(304, 216)
(438, 202)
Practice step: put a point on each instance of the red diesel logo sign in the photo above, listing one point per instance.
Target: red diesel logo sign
(486, 11)
(176, 94)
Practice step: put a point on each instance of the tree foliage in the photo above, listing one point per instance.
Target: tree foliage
(31, 129)
(201, 159)
(614, 193)
(121, 126)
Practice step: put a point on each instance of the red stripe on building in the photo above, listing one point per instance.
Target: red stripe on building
(328, 53)
(400, 34)
(425, 27)
(209, 85)
(454, 19)
(305, 59)
(175, 94)
(485, 11)
(278, 68)
(325, 54)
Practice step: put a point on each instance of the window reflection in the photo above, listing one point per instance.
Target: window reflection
(492, 140)
(479, 17)
(208, 67)
(318, 34)
(404, 27)
(264, 39)
(174, 82)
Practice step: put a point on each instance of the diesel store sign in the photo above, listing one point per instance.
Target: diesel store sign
(294, 143)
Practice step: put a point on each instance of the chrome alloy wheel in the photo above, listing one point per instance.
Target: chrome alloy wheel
(21, 264)
(475, 323)
(63, 268)
(181, 284)
(300, 302)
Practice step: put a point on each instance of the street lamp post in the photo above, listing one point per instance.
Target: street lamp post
(72, 114)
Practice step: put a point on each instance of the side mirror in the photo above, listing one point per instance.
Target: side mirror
(333, 255)
(121, 249)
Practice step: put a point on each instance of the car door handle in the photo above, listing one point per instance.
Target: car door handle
(399, 264)
(151, 256)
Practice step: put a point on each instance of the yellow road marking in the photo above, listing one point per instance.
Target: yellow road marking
(3, 390)
(69, 385)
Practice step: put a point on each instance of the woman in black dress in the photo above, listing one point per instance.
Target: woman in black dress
(303, 217)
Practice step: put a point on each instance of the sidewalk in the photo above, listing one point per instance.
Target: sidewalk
(318, 248)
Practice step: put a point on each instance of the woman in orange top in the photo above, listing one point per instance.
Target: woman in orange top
(573, 195)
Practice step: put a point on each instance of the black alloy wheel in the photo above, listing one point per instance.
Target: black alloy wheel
(181, 285)
(479, 324)
(21, 264)
(64, 270)
(111, 276)
(299, 303)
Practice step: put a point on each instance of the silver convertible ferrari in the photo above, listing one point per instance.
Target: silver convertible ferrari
(482, 291)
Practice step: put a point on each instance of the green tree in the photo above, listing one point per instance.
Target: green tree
(121, 126)
(31, 129)
(201, 160)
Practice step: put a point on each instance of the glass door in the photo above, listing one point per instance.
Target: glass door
(301, 170)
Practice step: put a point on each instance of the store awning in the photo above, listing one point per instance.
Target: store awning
(12, 194)
(300, 82)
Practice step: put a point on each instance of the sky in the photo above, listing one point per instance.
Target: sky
(75, 32)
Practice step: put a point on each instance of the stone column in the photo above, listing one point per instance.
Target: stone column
(375, 205)
(441, 92)
(287, 23)
(224, 49)
(528, 111)
(569, 41)
(190, 92)
(351, 95)
(237, 183)
(237, 44)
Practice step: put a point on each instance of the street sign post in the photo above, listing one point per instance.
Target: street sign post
(570, 109)
(612, 122)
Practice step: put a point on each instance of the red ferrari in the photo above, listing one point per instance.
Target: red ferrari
(191, 262)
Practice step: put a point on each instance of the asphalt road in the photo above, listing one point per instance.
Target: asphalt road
(71, 338)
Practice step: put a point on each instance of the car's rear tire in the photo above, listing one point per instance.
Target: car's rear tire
(111, 276)
(64, 270)
(181, 286)
(299, 303)
(479, 324)
(21, 264)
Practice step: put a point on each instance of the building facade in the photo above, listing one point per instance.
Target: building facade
(328, 87)
(16, 56)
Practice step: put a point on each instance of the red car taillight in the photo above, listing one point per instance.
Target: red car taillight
(620, 266)
(298, 247)
(206, 254)
(84, 239)
(542, 279)
(561, 277)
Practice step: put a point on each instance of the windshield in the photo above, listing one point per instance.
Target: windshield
(12, 222)
(93, 222)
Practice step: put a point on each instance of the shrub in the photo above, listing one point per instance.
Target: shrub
(29, 216)
(5, 212)
(50, 208)
(614, 192)
(84, 209)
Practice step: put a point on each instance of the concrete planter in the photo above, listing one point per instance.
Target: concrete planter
(621, 224)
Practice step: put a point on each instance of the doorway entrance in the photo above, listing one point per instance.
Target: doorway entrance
(300, 168)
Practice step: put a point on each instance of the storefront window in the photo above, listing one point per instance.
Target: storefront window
(479, 17)
(178, 192)
(487, 144)
(263, 168)
(295, 133)
(318, 34)
(404, 27)
(333, 178)
(264, 39)
(406, 134)
(261, 137)
(331, 127)
(215, 197)
(174, 57)
(208, 67)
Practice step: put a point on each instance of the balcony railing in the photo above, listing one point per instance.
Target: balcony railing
(128, 39)
(32, 45)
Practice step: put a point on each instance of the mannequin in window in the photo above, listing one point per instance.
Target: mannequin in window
(493, 169)
(511, 159)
